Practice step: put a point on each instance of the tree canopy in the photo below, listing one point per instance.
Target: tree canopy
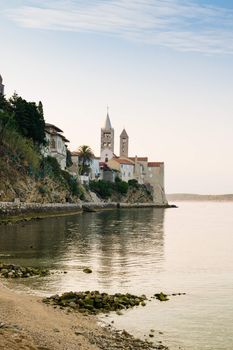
(29, 118)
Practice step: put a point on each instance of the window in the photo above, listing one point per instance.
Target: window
(53, 143)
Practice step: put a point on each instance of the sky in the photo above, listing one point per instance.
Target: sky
(164, 68)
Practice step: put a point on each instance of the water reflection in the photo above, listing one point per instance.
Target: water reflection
(117, 244)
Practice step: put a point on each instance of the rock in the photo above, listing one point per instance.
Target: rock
(87, 270)
(16, 271)
(161, 296)
(96, 302)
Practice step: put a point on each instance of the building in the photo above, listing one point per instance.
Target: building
(1, 86)
(56, 144)
(124, 166)
(124, 144)
(129, 168)
(107, 141)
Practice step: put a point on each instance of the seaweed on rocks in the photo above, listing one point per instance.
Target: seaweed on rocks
(95, 302)
(17, 271)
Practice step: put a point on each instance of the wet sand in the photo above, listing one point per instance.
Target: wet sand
(27, 323)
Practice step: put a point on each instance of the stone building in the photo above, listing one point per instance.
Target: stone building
(124, 144)
(1, 86)
(128, 168)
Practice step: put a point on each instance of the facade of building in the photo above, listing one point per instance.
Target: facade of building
(1, 86)
(56, 144)
(95, 168)
(124, 166)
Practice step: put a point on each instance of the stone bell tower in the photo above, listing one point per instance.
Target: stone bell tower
(107, 136)
(124, 144)
(1, 86)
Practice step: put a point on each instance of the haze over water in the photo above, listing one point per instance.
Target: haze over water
(141, 251)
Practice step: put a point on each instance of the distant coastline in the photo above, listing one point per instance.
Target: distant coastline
(199, 197)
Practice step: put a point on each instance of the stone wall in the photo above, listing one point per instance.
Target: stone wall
(9, 209)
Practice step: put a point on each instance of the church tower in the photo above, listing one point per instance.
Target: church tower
(1, 86)
(107, 136)
(124, 144)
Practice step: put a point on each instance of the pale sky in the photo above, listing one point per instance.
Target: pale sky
(164, 67)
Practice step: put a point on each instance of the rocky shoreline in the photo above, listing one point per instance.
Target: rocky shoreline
(27, 323)
(18, 211)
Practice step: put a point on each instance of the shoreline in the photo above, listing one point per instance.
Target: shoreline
(27, 323)
(18, 211)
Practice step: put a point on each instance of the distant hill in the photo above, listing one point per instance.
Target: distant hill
(199, 197)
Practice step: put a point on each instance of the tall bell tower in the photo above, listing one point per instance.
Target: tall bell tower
(124, 144)
(107, 135)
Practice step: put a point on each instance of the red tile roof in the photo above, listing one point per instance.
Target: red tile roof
(140, 159)
(155, 164)
(123, 161)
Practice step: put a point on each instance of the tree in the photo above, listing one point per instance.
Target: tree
(69, 162)
(29, 118)
(85, 155)
(4, 104)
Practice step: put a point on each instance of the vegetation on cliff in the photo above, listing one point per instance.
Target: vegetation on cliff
(131, 191)
(24, 172)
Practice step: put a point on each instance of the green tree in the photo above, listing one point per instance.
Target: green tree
(68, 159)
(29, 118)
(4, 104)
(85, 155)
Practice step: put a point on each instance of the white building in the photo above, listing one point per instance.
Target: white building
(56, 144)
(125, 167)
(95, 168)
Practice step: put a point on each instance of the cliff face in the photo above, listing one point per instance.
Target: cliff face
(30, 190)
(159, 196)
(15, 182)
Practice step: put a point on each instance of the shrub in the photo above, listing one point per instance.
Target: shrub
(133, 183)
(22, 148)
(121, 187)
(50, 167)
(101, 187)
(72, 183)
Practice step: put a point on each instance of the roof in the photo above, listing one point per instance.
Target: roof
(74, 153)
(124, 133)
(123, 161)
(64, 138)
(54, 133)
(140, 159)
(48, 125)
(107, 125)
(155, 164)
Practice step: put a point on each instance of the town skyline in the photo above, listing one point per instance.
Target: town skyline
(171, 91)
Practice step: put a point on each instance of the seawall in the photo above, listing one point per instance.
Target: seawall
(25, 211)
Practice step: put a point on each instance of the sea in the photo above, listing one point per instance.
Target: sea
(188, 250)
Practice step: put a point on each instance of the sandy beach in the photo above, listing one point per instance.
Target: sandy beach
(27, 323)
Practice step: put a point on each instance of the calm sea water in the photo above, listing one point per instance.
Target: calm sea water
(188, 249)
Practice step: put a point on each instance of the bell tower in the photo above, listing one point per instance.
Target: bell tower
(124, 144)
(107, 136)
